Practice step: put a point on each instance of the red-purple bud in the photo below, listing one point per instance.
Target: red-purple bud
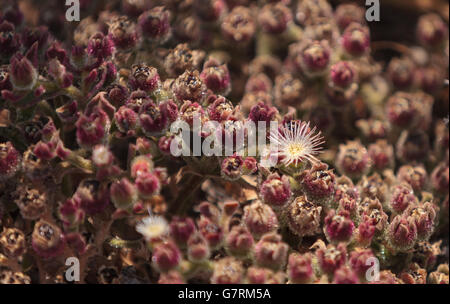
(239, 241)
(9, 40)
(382, 155)
(231, 168)
(401, 198)
(261, 275)
(276, 190)
(331, 257)
(347, 13)
(299, 269)
(123, 194)
(22, 73)
(402, 233)
(123, 33)
(262, 112)
(355, 40)
(126, 120)
(9, 160)
(271, 251)
(92, 130)
(93, 196)
(338, 226)
(343, 74)
(401, 72)
(155, 23)
(227, 270)
(147, 185)
(212, 232)
(318, 183)
(250, 165)
(345, 275)
(431, 30)
(221, 109)
(71, 213)
(353, 159)
(239, 26)
(416, 176)
(311, 57)
(260, 219)
(216, 76)
(145, 78)
(181, 229)
(166, 256)
(100, 46)
(358, 261)
(274, 18)
(197, 248)
(424, 216)
(440, 178)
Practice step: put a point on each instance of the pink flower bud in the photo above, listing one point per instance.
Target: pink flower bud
(71, 213)
(303, 217)
(440, 178)
(211, 231)
(338, 227)
(382, 155)
(221, 109)
(424, 216)
(343, 74)
(100, 46)
(123, 194)
(92, 130)
(231, 168)
(416, 176)
(402, 233)
(262, 112)
(260, 219)
(189, 86)
(140, 165)
(9, 160)
(431, 30)
(402, 197)
(92, 195)
(166, 256)
(331, 257)
(22, 73)
(299, 269)
(239, 241)
(227, 270)
(356, 40)
(318, 183)
(311, 57)
(147, 185)
(358, 261)
(345, 275)
(181, 229)
(239, 26)
(271, 251)
(261, 275)
(155, 23)
(353, 159)
(348, 13)
(145, 78)
(197, 248)
(123, 33)
(216, 76)
(250, 165)
(401, 72)
(276, 190)
(274, 18)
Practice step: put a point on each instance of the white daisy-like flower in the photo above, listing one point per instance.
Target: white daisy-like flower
(295, 142)
(152, 227)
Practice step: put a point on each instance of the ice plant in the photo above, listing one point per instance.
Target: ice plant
(296, 143)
